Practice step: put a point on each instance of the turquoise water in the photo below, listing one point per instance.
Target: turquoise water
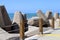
(29, 15)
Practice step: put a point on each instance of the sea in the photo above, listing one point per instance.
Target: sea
(28, 15)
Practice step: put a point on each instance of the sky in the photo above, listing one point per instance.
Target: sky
(31, 6)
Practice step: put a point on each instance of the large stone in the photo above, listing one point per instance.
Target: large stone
(56, 15)
(17, 17)
(4, 18)
(41, 15)
(34, 21)
(57, 23)
(16, 20)
(59, 16)
(48, 14)
(5, 21)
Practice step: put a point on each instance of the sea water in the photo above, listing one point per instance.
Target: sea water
(29, 15)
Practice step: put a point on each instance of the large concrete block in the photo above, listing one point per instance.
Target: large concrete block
(49, 15)
(45, 20)
(56, 15)
(59, 16)
(57, 23)
(17, 17)
(1, 18)
(41, 15)
(4, 18)
(34, 21)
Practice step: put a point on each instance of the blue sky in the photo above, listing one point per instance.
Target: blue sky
(31, 6)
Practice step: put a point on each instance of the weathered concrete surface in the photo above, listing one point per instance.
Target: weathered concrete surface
(9, 37)
(34, 21)
(41, 15)
(59, 16)
(32, 30)
(49, 35)
(56, 15)
(17, 17)
(4, 18)
(1, 19)
(57, 23)
(5, 36)
(48, 14)
(3, 31)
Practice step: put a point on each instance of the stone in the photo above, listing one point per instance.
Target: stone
(41, 15)
(57, 23)
(25, 21)
(49, 15)
(51, 22)
(17, 17)
(33, 21)
(16, 20)
(4, 17)
(56, 15)
(5, 21)
(59, 16)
